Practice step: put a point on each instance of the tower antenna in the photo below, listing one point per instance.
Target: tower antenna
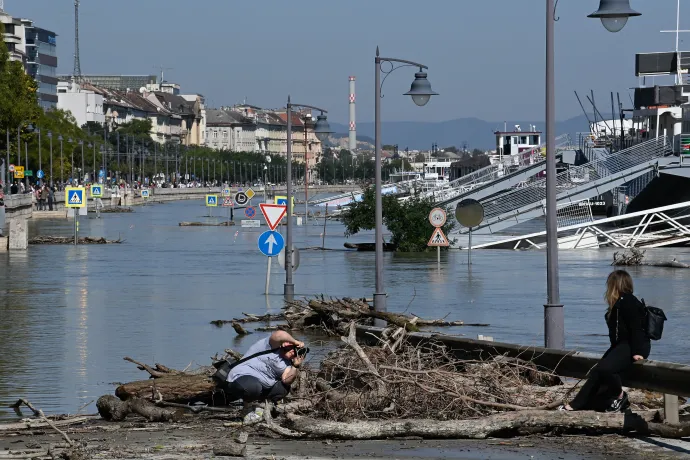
(163, 69)
(77, 63)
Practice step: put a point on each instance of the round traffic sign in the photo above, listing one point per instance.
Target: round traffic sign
(295, 258)
(250, 212)
(241, 198)
(469, 213)
(437, 217)
(11, 168)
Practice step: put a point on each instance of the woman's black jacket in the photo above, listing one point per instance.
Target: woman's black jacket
(625, 322)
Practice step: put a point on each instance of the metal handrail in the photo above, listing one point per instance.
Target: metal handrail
(513, 201)
(491, 172)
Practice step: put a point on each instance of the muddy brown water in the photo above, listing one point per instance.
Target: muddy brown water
(68, 315)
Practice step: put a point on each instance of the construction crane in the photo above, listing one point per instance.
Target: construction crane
(77, 63)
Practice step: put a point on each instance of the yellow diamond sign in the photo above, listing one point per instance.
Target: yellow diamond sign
(250, 193)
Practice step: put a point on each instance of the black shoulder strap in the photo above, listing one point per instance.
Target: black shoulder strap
(247, 358)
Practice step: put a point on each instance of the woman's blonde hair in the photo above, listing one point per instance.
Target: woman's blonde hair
(618, 283)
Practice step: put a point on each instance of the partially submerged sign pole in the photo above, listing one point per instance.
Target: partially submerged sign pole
(273, 214)
(469, 213)
(437, 218)
(75, 198)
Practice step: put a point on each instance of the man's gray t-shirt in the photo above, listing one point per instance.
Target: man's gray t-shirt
(268, 368)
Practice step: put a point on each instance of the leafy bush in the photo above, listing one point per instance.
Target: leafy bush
(408, 221)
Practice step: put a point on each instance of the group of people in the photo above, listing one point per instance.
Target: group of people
(44, 195)
(271, 364)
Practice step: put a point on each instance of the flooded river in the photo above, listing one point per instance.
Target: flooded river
(68, 315)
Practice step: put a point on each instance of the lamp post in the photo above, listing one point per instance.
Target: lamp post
(322, 130)
(81, 173)
(614, 15)
(421, 92)
(50, 136)
(62, 162)
(29, 128)
(7, 163)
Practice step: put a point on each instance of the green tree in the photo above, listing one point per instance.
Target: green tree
(407, 221)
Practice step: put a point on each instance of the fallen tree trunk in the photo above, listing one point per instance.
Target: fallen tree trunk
(115, 410)
(207, 224)
(229, 449)
(499, 425)
(174, 388)
(70, 240)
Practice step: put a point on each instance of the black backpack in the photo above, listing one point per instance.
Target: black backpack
(653, 323)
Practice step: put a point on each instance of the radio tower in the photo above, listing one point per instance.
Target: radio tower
(77, 64)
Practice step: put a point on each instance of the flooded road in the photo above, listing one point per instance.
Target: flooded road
(68, 315)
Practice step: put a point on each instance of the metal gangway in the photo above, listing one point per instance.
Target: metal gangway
(651, 228)
(509, 171)
(575, 184)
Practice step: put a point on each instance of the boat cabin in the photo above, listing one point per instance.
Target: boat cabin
(516, 141)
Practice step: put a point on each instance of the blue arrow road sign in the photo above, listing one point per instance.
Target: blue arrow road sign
(101, 173)
(40, 174)
(271, 243)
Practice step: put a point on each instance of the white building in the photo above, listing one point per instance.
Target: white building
(84, 104)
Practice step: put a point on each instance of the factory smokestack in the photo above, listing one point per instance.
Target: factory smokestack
(352, 140)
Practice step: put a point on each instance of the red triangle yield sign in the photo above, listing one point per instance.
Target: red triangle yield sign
(273, 213)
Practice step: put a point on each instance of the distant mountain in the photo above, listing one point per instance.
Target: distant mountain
(473, 131)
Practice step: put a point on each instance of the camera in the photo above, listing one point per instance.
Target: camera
(302, 352)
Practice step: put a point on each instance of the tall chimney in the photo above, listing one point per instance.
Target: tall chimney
(352, 141)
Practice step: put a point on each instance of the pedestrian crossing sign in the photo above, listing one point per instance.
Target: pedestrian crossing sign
(144, 193)
(74, 197)
(438, 238)
(211, 200)
(96, 191)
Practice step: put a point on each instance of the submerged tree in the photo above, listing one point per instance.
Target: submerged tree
(408, 221)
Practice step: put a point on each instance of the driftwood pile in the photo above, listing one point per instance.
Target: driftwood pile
(70, 240)
(394, 389)
(207, 224)
(116, 209)
(635, 257)
(333, 317)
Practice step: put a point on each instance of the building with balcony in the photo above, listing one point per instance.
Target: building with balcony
(36, 49)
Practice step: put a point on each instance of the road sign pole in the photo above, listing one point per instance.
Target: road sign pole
(438, 256)
(76, 225)
(268, 274)
(469, 249)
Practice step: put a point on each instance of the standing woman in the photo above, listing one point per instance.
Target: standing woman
(629, 343)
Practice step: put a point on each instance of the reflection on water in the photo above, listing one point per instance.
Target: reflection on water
(68, 315)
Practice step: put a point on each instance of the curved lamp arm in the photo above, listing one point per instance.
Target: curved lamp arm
(392, 61)
(291, 105)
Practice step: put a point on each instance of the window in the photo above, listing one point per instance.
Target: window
(523, 139)
(225, 134)
(215, 134)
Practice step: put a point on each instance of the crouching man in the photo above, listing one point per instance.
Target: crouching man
(267, 376)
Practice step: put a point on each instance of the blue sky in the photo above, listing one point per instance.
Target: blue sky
(485, 57)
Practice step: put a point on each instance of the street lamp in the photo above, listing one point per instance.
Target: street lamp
(614, 14)
(30, 129)
(322, 131)
(421, 92)
(62, 163)
(50, 136)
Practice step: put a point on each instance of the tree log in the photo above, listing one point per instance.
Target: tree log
(174, 388)
(499, 425)
(229, 449)
(114, 410)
